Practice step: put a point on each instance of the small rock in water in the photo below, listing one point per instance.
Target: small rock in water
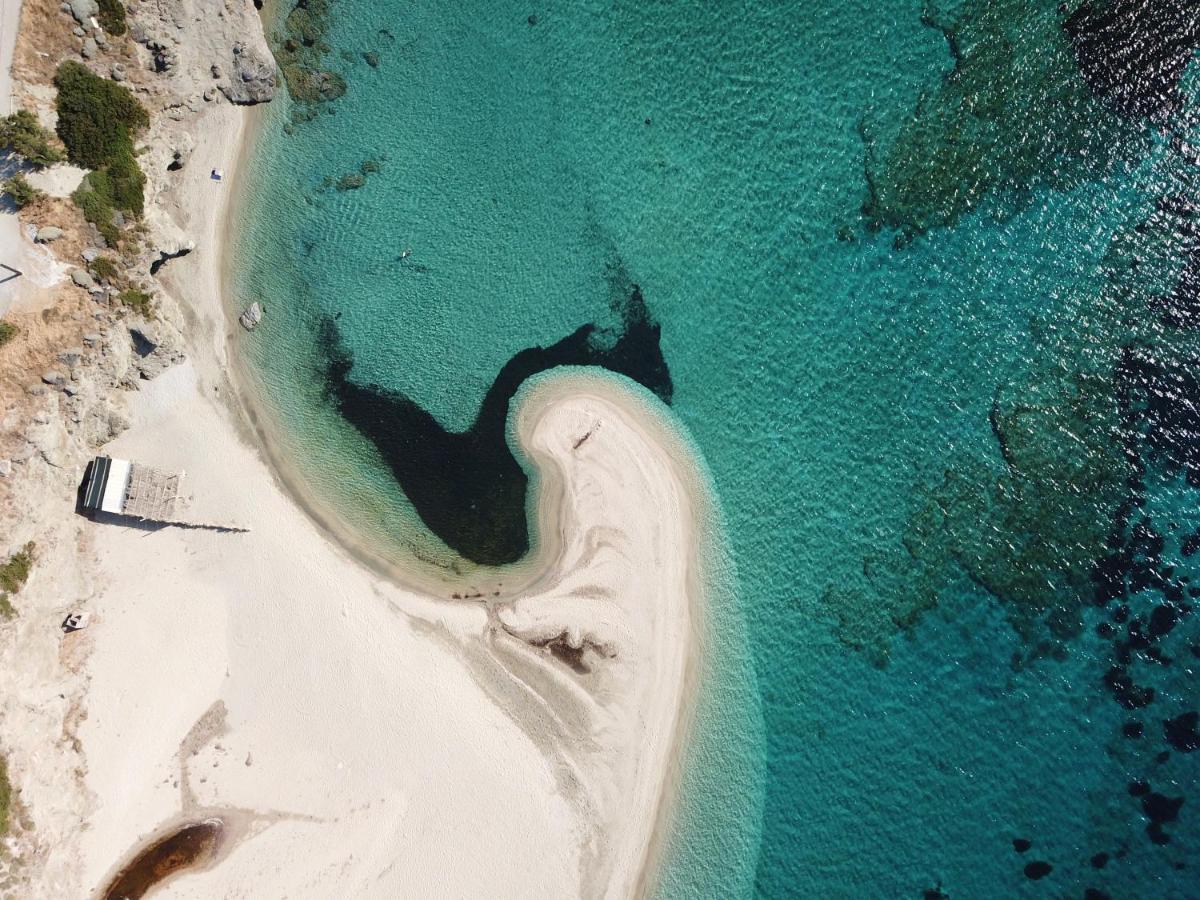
(1021, 844)
(1038, 870)
(251, 316)
(1181, 732)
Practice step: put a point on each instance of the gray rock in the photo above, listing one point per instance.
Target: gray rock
(118, 423)
(89, 49)
(82, 278)
(118, 72)
(216, 71)
(71, 357)
(210, 95)
(92, 338)
(48, 233)
(253, 79)
(54, 379)
(78, 32)
(164, 58)
(83, 10)
(5, 468)
(101, 40)
(90, 254)
(145, 340)
(251, 316)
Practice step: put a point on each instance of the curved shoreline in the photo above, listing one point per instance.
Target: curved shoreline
(546, 504)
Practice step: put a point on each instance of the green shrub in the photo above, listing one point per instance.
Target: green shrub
(94, 197)
(8, 331)
(138, 300)
(21, 191)
(111, 16)
(25, 136)
(127, 182)
(5, 797)
(104, 267)
(15, 572)
(97, 118)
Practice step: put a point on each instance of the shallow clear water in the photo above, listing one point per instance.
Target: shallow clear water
(918, 441)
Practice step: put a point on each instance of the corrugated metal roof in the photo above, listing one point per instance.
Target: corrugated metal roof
(93, 496)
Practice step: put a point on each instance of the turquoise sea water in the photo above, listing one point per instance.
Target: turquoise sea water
(929, 426)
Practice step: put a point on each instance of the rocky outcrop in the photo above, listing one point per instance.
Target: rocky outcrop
(199, 42)
(253, 78)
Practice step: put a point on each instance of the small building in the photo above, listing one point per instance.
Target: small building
(122, 488)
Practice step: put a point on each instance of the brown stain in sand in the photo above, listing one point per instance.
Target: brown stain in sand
(188, 847)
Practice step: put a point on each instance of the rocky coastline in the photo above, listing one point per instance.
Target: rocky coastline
(78, 353)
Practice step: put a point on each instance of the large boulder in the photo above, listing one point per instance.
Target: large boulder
(48, 233)
(83, 10)
(253, 77)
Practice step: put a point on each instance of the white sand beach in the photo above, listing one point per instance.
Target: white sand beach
(358, 739)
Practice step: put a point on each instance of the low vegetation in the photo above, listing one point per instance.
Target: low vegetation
(20, 191)
(104, 268)
(24, 135)
(138, 300)
(8, 331)
(13, 575)
(106, 195)
(97, 120)
(5, 797)
(111, 16)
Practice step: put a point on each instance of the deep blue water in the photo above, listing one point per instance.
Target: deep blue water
(926, 301)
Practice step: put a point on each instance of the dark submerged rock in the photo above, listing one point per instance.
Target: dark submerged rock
(1133, 53)
(1037, 870)
(1181, 732)
(1021, 844)
(1160, 808)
